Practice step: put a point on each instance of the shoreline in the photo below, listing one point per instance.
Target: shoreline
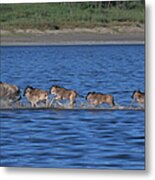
(76, 43)
(71, 37)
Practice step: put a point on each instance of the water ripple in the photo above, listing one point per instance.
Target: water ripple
(74, 138)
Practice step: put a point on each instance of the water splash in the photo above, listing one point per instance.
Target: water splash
(4, 105)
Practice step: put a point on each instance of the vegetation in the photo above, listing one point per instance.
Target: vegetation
(69, 15)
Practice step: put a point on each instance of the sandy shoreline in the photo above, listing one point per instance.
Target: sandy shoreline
(70, 37)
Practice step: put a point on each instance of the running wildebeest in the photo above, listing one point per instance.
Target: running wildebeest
(63, 93)
(99, 98)
(9, 92)
(35, 95)
(139, 97)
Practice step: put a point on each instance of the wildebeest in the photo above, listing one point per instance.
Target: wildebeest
(139, 97)
(35, 95)
(99, 98)
(9, 92)
(63, 93)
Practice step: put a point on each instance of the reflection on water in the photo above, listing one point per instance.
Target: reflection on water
(77, 138)
(73, 139)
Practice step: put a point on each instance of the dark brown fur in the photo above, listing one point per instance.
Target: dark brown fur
(35, 95)
(99, 98)
(9, 91)
(63, 93)
(138, 96)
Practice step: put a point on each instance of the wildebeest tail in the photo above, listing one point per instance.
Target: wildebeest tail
(80, 95)
(18, 95)
(18, 91)
(88, 94)
(113, 102)
(19, 98)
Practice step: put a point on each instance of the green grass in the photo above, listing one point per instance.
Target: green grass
(66, 15)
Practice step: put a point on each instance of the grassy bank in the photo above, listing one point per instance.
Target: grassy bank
(70, 15)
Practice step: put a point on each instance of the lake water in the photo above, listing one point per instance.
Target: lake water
(74, 138)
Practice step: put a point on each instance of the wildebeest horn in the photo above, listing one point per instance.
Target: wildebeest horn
(29, 87)
(88, 94)
(56, 86)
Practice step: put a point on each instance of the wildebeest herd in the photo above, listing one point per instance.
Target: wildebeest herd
(12, 93)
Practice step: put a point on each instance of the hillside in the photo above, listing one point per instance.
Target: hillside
(57, 16)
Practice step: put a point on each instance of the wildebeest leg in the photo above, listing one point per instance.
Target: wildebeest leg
(140, 105)
(132, 103)
(116, 104)
(84, 104)
(72, 104)
(112, 106)
(17, 101)
(60, 104)
(17, 104)
(91, 103)
(33, 104)
(94, 103)
(57, 100)
(51, 102)
(46, 103)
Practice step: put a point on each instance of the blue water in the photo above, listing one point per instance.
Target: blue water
(74, 138)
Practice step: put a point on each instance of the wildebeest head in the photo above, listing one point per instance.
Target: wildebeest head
(53, 89)
(137, 92)
(89, 94)
(27, 90)
(141, 92)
